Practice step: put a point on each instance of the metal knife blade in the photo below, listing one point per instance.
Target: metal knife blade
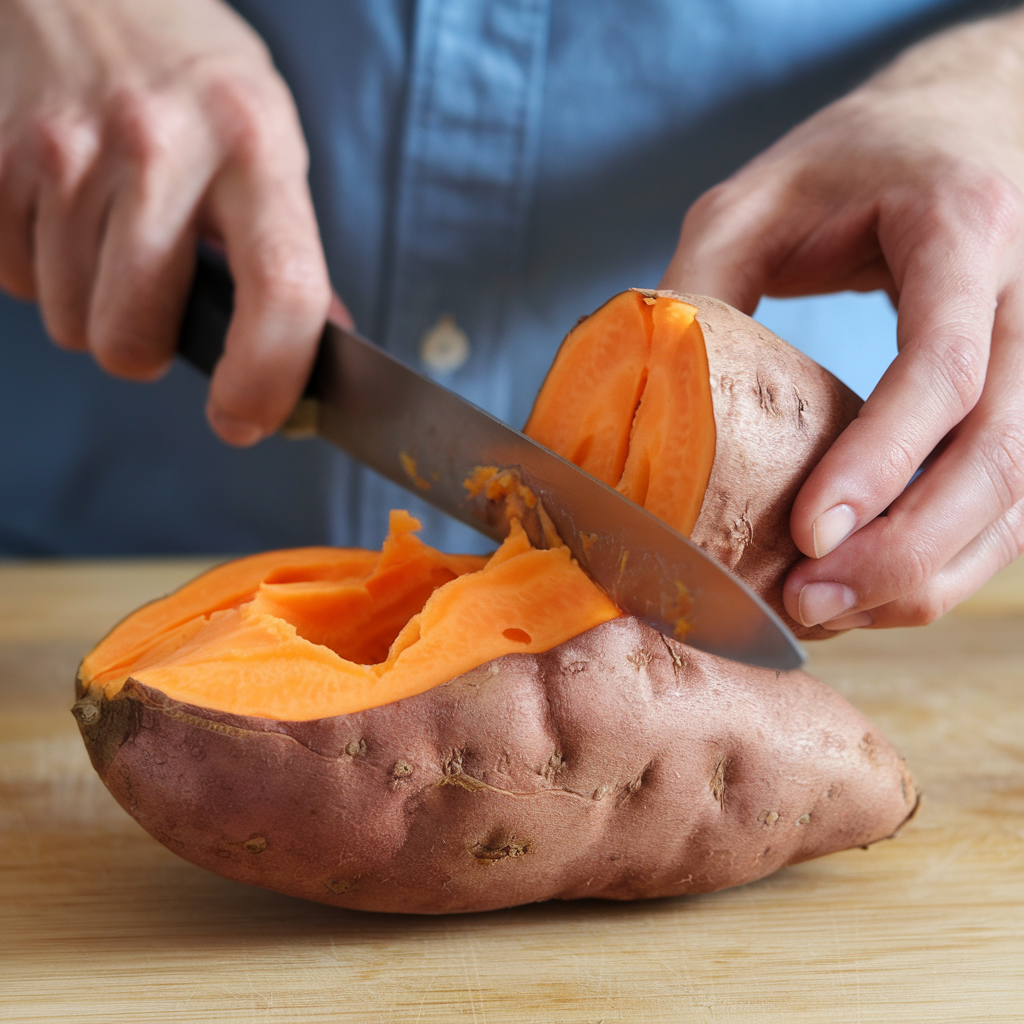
(430, 440)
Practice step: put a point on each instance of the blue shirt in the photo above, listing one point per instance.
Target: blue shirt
(509, 164)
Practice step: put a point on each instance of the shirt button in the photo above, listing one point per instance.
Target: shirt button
(445, 347)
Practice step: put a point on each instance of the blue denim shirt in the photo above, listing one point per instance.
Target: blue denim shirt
(508, 164)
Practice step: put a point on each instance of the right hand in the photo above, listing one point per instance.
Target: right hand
(128, 129)
(913, 183)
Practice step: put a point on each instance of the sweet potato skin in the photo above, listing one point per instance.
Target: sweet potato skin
(776, 414)
(618, 765)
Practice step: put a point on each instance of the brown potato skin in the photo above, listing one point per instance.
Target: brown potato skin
(776, 414)
(618, 765)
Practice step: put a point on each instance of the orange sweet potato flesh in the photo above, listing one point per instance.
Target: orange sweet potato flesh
(317, 632)
(701, 415)
(628, 399)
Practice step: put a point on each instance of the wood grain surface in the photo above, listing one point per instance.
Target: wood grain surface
(101, 923)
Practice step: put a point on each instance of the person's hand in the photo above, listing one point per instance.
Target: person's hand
(128, 128)
(912, 183)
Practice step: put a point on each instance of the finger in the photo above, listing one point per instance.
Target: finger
(774, 229)
(338, 313)
(148, 249)
(949, 284)
(145, 269)
(17, 214)
(282, 295)
(973, 482)
(72, 202)
(727, 242)
(993, 549)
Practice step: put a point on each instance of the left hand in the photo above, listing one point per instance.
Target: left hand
(913, 183)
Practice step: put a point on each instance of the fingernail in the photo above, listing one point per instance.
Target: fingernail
(855, 621)
(819, 602)
(831, 528)
(235, 431)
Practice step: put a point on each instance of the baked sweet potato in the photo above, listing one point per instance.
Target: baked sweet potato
(619, 764)
(701, 415)
(407, 730)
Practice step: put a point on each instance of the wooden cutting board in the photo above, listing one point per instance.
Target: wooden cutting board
(101, 923)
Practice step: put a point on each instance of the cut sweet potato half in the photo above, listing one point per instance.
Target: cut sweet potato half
(317, 631)
(628, 399)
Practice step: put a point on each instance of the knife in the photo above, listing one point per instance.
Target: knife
(431, 441)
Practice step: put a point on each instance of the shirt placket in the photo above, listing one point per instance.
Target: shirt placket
(463, 189)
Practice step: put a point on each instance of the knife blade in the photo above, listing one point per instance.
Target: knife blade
(430, 441)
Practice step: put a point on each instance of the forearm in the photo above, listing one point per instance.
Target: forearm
(971, 75)
(990, 51)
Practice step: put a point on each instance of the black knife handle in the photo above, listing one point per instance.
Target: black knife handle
(208, 310)
(211, 301)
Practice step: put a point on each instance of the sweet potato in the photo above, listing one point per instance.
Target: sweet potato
(619, 765)
(407, 730)
(775, 413)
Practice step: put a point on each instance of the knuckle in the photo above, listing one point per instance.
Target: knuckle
(66, 146)
(1004, 463)
(966, 205)
(918, 565)
(291, 277)
(922, 609)
(970, 202)
(957, 371)
(901, 459)
(248, 142)
(996, 205)
(246, 114)
(234, 94)
(142, 126)
(932, 217)
(708, 204)
(728, 204)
